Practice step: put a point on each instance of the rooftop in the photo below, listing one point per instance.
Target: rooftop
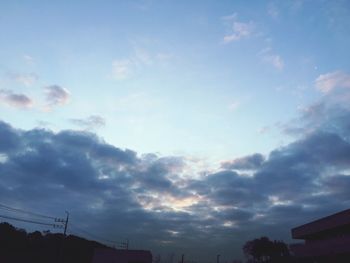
(328, 225)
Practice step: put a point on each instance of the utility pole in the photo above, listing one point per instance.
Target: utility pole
(217, 258)
(66, 224)
(125, 244)
(60, 257)
(182, 258)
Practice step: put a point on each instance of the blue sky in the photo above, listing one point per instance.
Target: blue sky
(181, 87)
(207, 82)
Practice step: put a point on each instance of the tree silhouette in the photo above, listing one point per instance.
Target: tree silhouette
(18, 246)
(263, 250)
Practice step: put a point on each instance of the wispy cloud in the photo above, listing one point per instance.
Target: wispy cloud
(263, 129)
(330, 81)
(143, 4)
(121, 68)
(268, 56)
(28, 59)
(124, 68)
(237, 29)
(91, 122)
(163, 56)
(25, 79)
(142, 56)
(273, 11)
(56, 95)
(234, 105)
(15, 99)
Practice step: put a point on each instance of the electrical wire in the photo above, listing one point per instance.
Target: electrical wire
(17, 210)
(94, 235)
(27, 221)
(82, 235)
(12, 209)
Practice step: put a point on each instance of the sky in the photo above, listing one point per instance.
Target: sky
(185, 126)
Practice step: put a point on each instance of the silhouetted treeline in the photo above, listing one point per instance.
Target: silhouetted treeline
(263, 250)
(18, 246)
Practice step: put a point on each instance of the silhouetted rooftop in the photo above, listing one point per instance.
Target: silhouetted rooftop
(102, 255)
(328, 225)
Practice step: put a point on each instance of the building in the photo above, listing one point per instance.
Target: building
(109, 255)
(325, 240)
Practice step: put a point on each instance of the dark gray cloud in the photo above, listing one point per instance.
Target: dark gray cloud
(330, 114)
(227, 188)
(338, 186)
(77, 171)
(118, 193)
(296, 183)
(250, 162)
(16, 100)
(9, 138)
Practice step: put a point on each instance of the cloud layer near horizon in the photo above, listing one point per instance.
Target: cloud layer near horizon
(119, 193)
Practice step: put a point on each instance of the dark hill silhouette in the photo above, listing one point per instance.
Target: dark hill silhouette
(18, 246)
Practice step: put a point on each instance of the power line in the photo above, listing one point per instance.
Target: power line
(80, 234)
(28, 221)
(64, 222)
(94, 235)
(12, 209)
(91, 234)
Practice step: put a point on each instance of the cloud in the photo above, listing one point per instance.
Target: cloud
(143, 4)
(275, 60)
(239, 31)
(263, 129)
(14, 99)
(117, 192)
(273, 11)
(161, 56)
(25, 79)
(52, 168)
(121, 68)
(91, 122)
(328, 82)
(269, 57)
(234, 105)
(231, 17)
(28, 59)
(250, 162)
(299, 166)
(332, 107)
(228, 189)
(140, 58)
(10, 137)
(56, 95)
